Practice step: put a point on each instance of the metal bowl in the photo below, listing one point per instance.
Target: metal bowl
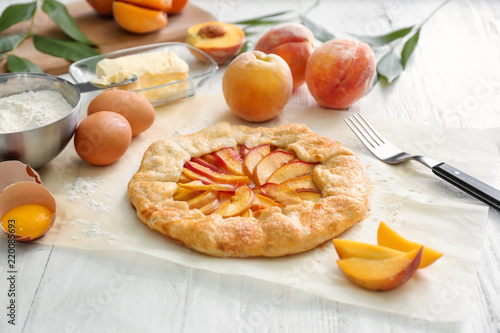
(37, 147)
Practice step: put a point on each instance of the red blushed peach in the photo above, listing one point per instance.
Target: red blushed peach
(294, 43)
(340, 72)
(257, 86)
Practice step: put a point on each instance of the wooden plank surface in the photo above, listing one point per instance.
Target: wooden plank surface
(103, 31)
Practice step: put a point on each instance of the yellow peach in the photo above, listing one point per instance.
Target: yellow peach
(257, 86)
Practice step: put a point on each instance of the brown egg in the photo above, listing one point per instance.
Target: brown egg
(102, 138)
(135, 108)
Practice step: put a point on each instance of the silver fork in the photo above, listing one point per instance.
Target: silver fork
(387, 152)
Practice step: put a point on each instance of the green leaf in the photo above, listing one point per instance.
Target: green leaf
(59, 14)
(409, 47)
(69, 50)
(17, 13)
(390, 66)
(8, 42)
(376, 41)
(257, 20)
(319, 32)
(17, 64)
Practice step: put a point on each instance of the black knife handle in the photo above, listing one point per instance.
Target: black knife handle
(469, 184)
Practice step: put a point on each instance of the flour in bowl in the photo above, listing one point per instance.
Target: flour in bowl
(31, 109)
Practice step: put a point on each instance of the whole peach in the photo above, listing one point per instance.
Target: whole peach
(340, 72)
(257, 86)
(294, 43)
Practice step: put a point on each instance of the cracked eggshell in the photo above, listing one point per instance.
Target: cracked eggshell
(21, 185)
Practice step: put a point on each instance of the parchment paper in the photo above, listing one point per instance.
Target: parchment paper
(94, 212)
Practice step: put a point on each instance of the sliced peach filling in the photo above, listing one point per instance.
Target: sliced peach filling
(244, 182)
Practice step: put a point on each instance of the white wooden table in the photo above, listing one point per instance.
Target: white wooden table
(452, 80)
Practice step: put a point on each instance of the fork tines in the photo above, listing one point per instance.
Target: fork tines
(364, 131)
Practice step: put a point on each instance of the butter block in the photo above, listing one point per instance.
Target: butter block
(152, 69)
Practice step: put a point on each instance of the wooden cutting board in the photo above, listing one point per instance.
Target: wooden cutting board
(103, 31)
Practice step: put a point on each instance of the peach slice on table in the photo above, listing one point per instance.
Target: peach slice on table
(269, 164)
(305, 183)
(216, 176)
(191, 175)
(230, 160)
(197, 185)
(381, 274)
(291, 170)
(253, 157)
(389, 238)
(311, 195)
(238, 203)
(210, 207)
(280, 194)
(353, 249)
(201, 200)
(185, 194)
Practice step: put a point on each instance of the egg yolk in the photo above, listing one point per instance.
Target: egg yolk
(27, 220)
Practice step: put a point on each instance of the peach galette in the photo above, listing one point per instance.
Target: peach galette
(237, 191)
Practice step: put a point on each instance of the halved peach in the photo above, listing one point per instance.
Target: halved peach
(301, 183)
(177, 6)
(353, 249)
(291, 170)
(389, 238)
(230, 160)
(253, 157)
(199, 186)
(220, 40)
(151, 4)
(280, 194)
(216, 176)
(381, 274)
(138, 19)
(269, 164)
(103, 7)
(239, 202)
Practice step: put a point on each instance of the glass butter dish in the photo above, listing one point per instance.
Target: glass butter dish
(201, 68)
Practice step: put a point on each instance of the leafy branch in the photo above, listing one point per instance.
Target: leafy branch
(390, 66)
(77, 47)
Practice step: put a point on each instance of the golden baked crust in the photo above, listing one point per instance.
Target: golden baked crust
(276, 232)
